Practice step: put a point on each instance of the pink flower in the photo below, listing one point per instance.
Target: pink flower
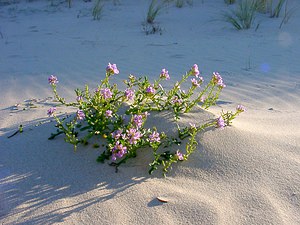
(195, 70)
(129, 94)
(179, 155)
(52, 80)
(133, 135)
(108, 113)
(195, 82)
(112, 69)
(51, 111)
(241, 108)
(193, 126)
(116, 134)
(154, 137)
(221, 123)
(176, 100)
(106, 93)
(150, 90)
(217, 79)
(79, 98)
(165, 74)
(80, 115)
(138, 120)
(118, 151)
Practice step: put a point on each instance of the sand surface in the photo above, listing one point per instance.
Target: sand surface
(248, 173)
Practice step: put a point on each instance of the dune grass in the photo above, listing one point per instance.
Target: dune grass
(179, 3)
(277, 9)
(154, 9)
(243, 16)
(287, 14)
(97, 10)
(229, 2)
(270, 6)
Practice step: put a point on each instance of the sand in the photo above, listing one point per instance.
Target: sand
(248, 173)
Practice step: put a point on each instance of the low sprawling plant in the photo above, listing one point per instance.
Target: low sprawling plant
(119, 117)
(243, 16)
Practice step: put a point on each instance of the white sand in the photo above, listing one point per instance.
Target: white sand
(248, 173)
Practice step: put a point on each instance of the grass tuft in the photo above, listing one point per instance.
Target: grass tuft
(287, 14)
(244, 15)
(229, 2)
(179, 3)
(277, 9)
(154, 9)
(97, 10)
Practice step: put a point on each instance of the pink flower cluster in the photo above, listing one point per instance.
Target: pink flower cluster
(129, 94)
(80, 115)
(154, 137)
(52, 80)
(51, 111)
(221, 123)
(112, 69)
(106, 93)
(150, 90)
(195, 70)
(118, 151)
(217, 79)
(164, 74)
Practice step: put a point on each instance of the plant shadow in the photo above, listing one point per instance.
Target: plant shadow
(36, 173)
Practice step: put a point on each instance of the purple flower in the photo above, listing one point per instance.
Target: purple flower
(221, 123)
(138, 120)
(195, 82)
(165, 74)
(108, 113)
(129, 93)
(116, 134)
(52, 80)
(133, 135)
(118, 151)
(106, 93)
(176, 100)
(217, 79)
(150, 90)
(241, 108)
(79, 98)
(179, 155)
(80, 115)
(146, 114)
(51, 111)
(112, 69)
(132, 77)
(154, 137)
(195, 70)
(193, 126)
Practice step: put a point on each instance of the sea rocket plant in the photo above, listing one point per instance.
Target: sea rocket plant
(118, 117)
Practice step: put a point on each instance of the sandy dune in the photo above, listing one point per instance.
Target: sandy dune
(248, 173)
